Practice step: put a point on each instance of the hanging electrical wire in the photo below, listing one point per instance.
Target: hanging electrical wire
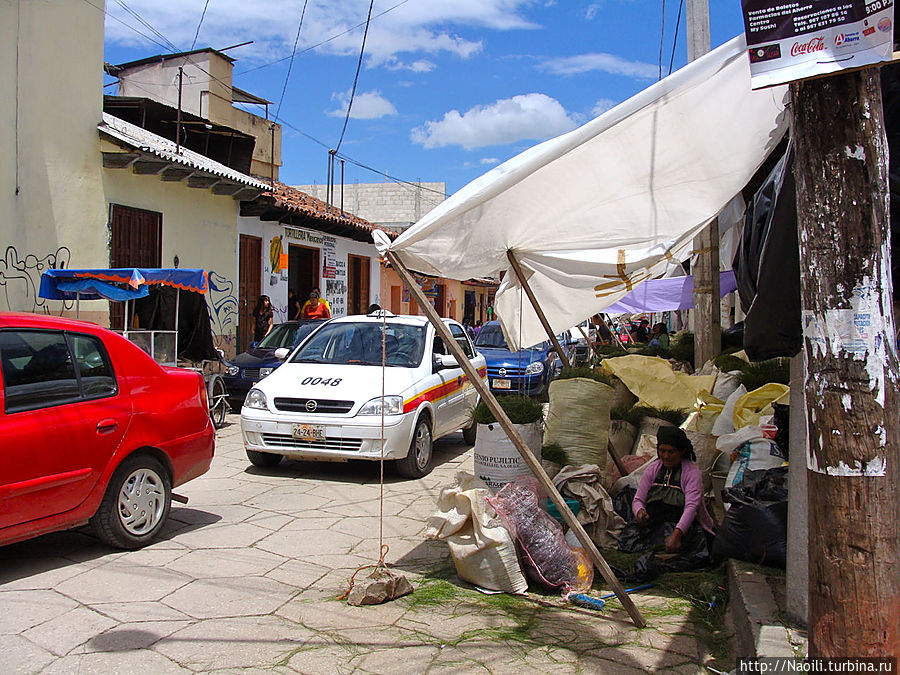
(362, 51)
(291, 63)
(675, 40)
(202, 14)
(662, 35)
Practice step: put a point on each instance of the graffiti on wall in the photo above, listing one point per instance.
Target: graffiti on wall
(223, 306)
(20, 278)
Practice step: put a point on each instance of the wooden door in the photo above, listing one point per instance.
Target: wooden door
(358, 284)
(249, 287)
(135, 241)
(396, 297)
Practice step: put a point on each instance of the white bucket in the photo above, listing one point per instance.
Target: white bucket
(497, 462)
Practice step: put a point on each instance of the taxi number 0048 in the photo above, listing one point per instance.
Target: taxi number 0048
(333, 381)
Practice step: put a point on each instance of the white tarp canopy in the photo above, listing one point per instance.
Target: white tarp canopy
(594, 212)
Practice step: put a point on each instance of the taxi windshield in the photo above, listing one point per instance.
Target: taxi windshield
(360, 343)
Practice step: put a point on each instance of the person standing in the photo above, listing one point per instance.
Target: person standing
(316, 307)
(293, 306)
(262, 318)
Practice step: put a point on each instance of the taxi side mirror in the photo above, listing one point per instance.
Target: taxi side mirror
(282, 353)
(441, 361)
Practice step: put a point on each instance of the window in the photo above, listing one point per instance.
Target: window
(462, 340)
(39, 370)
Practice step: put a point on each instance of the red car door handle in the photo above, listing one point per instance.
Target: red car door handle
(107, 426)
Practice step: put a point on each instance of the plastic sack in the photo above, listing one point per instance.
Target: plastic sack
(750, 406)
(706, 451)
(481, 547)
(706, 411)
(496, 459)
(726, 384)
(633, 479)
(578, 419)
(724, 424)
(596, 515)
(751, 451)
(546, 555)
(755, 527)
(630, 462)
(653, 381)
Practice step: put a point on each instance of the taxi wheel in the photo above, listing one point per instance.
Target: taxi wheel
(417, 462)
(470, 432)
(265, 460)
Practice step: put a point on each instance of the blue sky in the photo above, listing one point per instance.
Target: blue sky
(448, 88)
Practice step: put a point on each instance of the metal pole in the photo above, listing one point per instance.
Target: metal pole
(77, 304)
(537, 308)
(177, 318)
(178, 116)
(517, 440)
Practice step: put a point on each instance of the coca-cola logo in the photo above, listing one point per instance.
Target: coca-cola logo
(817, 44)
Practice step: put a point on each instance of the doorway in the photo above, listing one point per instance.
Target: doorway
(358, 284)
(249, 287)
(303, 271)
(135, 241)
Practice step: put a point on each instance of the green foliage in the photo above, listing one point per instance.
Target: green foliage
(610, 350)
(727, 363)
(681, 347)
(519, 409)
(755, 375)
(671, 415)
(586, 372)
(655, 351)
(627, 413)
(555, 453)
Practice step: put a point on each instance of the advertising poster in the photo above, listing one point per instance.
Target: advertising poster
(789, 41)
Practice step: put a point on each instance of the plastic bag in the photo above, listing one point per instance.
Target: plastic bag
(755, 527)
(546, 555)
(724, 424)
(481, 547)
(750, 451)
(750, 406)
(578, 419)
(726, 384)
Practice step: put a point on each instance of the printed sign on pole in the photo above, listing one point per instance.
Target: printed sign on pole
(789, 41)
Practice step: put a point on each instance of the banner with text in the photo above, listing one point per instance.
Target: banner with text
(789, 41)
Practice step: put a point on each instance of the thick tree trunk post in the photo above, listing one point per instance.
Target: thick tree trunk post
(851, 383)
(707, 310)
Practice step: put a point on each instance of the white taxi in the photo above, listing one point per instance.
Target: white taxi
(331, 397)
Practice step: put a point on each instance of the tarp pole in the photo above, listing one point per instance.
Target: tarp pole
(590, 344)
(77, 304)
(537, 308)
(612, 330)
(177, 318)
(516, 438)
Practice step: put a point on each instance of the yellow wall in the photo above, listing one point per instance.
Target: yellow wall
(197, 226)
(52, 211)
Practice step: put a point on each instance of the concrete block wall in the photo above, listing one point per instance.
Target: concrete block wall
(394, 205)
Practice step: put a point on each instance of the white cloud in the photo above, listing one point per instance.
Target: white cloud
(488, 160)
(608, 63)
(418, 66)
(430, 27)
(370, 105)
(527, 116)
(591, 12)
(602, 105)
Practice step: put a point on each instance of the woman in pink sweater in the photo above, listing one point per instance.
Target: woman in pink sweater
(671, 489)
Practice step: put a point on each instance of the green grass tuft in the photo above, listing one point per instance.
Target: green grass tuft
(555, 453)
(519, 409)
(589, 373)
(671, 415)
(628, 414)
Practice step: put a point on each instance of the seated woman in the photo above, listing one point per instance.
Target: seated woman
(659, 336)
(668, 507)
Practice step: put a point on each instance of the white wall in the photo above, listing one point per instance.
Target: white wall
(276, 285)
(52, 211)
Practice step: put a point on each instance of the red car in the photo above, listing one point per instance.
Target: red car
(93, 430)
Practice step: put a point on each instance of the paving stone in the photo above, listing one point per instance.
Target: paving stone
(232, 596)
(678, 644)
(641, 657)
(203, 515)
(368, 526)
(339, 615)
(20, 656)
(119, 581)
(102, 663)
(270, 521)
(293, 545)
(317, 521)
(444, 626)
(221, 535)
(63, 633)
(227, 562)
(277, 500)
(33, 573)
(200, 494)
(398, 660)
(298, 573)
(323, 658)
(129, 612)
(244, 642)
(24, 609)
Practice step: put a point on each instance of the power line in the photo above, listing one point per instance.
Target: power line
(137, 16)
(291, 63)
(675, 39)
(662, 35)
(362, 51)
(202, 14)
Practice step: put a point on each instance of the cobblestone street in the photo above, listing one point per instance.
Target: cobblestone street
(247, 575)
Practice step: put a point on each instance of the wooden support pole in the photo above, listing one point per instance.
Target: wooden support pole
(612, 331)
(517, 440)
(537, 308)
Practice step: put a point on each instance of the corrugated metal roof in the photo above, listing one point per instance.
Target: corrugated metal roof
(163, 148)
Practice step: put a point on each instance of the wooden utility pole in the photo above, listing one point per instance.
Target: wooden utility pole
(705, 269)
(841, 171)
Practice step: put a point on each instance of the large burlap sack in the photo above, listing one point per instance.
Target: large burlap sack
(705, 449)
(578, 419)
(622, 436)
(481, 547)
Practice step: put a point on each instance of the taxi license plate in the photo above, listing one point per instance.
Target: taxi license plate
(309, 432)
(500, 384)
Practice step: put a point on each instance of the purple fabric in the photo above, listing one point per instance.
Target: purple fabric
(691, 484)
(662, 295)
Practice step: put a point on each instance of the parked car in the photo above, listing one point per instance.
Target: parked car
(94, 431)
(527, 371)
(249, 367)
(325, 402)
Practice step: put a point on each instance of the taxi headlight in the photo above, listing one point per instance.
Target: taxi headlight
(535, 368)
(256, 399)
(233, 370)
(265, 372)
(393, 405)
